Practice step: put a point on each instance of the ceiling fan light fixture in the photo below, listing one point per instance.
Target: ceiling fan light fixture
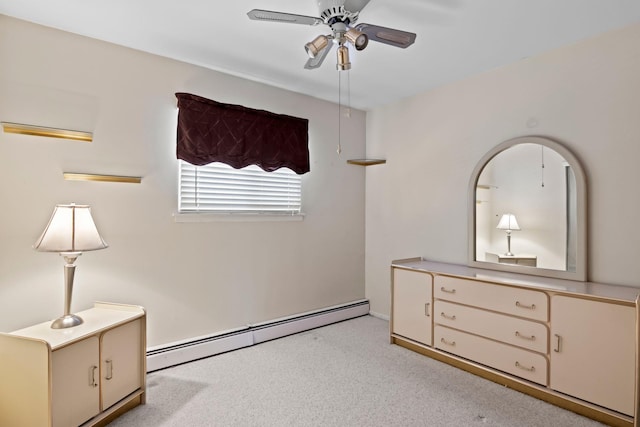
(343, 59)
(357, 38)
(316, 45)
(340, 16)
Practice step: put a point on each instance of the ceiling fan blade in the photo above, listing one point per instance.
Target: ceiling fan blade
(389, 36)
(269, 15)
(355, 5)
(316, 62)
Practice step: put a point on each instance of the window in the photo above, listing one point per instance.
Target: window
(219, 188)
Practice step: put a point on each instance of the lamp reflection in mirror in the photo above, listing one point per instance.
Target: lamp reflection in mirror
(508, 223)
(70, 232)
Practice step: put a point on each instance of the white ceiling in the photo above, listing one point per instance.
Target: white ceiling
(456, 38)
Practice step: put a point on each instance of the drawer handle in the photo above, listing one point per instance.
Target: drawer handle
(448, 291)
(109, 364)
(92, 376)
(524, 368)
(448, 317)
(426, 309)
(528, 307)
(451, 343)
(558, 343)
(524, 337)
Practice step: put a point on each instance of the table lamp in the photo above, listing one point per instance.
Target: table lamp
(70, 232)
(508, 223)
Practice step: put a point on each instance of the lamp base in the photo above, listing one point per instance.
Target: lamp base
(67, 321)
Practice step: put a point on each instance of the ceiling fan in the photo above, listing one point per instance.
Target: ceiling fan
(340, 16)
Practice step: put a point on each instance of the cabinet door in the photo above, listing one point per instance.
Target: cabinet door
(75, 378)
(592, 351)
(24, 382)
(412, 305)
(121, 362)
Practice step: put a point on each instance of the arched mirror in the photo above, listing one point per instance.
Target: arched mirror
(528, 210)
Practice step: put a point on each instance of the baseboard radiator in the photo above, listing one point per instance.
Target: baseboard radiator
(165, 356)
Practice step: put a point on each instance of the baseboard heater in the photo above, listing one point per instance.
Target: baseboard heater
(165, 356)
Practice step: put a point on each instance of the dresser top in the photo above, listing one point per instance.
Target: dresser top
(599, 290)
(102, 316)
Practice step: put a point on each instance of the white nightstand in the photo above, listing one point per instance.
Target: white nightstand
(87, 374)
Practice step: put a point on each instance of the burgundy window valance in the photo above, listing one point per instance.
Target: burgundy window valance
(210, 131)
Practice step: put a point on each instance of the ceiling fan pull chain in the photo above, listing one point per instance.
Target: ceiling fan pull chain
(542, 166)
(339, 112)
(348, 109)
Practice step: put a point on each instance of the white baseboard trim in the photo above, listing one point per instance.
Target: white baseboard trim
(380, 315)
(165, 356)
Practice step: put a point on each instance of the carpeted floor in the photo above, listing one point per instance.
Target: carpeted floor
(345, 374)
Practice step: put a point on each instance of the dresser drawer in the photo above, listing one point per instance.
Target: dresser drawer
(505, 299)
(512, 330)
(516, 361)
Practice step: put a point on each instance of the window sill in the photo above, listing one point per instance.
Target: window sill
(235, 217)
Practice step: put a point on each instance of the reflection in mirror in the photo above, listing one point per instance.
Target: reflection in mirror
(533, 184)
(529, 210)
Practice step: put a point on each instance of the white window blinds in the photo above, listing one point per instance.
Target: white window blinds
(219, 188)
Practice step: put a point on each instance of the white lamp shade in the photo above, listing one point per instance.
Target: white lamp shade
(508, 222)
(70, 229)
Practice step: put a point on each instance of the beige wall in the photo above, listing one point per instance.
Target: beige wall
(193, 278)
(201, 278)
(584, 95)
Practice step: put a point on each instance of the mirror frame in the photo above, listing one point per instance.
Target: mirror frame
(581, 210)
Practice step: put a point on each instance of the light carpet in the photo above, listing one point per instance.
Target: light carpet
(345, 374)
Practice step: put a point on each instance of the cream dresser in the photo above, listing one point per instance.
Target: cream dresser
(570, 343)
(85, 375)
